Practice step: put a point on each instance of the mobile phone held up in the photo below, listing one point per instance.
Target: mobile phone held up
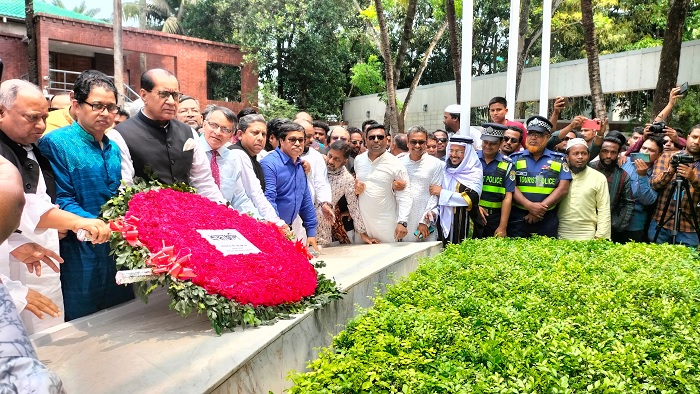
(592, 124)
(684, 89)
(644, 156)
(431, 230)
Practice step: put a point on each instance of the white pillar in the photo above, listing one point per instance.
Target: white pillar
(546, 43)
(466, 91)
(511, 73)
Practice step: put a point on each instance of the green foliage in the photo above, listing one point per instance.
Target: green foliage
(366, 77)
(272, 106)
(185, 296)
(526, 315)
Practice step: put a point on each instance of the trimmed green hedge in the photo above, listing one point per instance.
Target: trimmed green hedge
(517, 315)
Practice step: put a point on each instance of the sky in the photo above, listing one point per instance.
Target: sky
(105, 7)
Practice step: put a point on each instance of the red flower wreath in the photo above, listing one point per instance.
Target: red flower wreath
(278, 274)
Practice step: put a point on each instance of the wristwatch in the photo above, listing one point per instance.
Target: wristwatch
(403, 224)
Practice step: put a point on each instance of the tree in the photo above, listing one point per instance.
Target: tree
(455, 47)
(378, 27)
(367, 76)
(80, 9)
(593, 65)
(670, 53)
(32, 66)
(164, 15)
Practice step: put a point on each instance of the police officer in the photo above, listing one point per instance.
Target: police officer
(542, 179)
(499, 184)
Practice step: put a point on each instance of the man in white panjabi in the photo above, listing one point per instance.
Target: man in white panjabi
(384, 211)
(423, 170)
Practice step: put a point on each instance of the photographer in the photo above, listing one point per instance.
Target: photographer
(659, 126)
(684, 164)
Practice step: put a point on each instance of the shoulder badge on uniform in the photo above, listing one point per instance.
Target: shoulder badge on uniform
(565, 167)
(512, 175)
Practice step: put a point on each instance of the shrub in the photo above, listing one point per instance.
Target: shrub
(517, 315)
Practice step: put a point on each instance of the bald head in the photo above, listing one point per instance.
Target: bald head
(304, 116)
(23, 111)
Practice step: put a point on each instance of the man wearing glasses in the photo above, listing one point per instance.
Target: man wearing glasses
(87, 168)
(286, 187)
(542, 179)
(153, 139)
(384, 211)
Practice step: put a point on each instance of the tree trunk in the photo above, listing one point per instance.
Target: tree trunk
(455, 49)
(593, 66)
(280, 68)
(32, 66)
(525, 42)
(670, 53)
(419, 74)
(118, 52)
(385, 49)
(411, 9)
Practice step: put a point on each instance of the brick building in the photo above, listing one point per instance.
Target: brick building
(69, 43)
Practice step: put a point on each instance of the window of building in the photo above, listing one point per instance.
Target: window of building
(223, 82)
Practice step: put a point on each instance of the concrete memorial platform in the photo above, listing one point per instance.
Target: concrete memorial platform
(147, 348)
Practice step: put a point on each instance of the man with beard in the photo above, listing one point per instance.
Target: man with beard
(459, 192)
(640, 172)
(542, 180)
(662, 180)
(511, 140)
(621, 200)
(342, 185)
(384, 211)
(584, 213)
(499, 184)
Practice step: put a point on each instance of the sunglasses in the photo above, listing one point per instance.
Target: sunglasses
(441, 139)
(417, 142)
(356, 142)
(512, 140)
(379, 137)
(294, 141)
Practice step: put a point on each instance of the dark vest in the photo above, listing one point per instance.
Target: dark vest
(157, 149)
(493, 191)
(257, 168)
(27, 167)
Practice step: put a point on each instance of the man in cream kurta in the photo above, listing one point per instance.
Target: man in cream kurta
(584, 213)
(384, 211)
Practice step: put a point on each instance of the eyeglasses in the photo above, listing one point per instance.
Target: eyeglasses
(99, 107)
(294, 141)
(187, 110)
(217, 126)
(165, 93)
(441, 139)
(512, 140)
(536, 135)
(334, 138)
(379, 137)
(417, 142)
(566, 138)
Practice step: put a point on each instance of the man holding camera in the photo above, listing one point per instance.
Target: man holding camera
(686, 165)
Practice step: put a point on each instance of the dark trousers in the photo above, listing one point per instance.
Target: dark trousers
(485, 230)
(518, 227)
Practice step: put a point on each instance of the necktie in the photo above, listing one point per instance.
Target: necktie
(215, 167)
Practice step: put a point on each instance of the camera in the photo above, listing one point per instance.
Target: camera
(681, 159)
(657, 127)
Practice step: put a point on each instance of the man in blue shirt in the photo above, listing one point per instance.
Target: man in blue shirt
(639, 172)
(542, 179)
(499, 184)
(87, 167)
(286, 186)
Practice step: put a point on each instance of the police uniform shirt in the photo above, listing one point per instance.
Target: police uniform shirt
(537, 179)
(499, 179)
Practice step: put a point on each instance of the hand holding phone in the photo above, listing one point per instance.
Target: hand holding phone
(684, 89)
(593, 124)
(644, 156)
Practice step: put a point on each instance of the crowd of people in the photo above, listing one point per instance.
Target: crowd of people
(327, 185)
